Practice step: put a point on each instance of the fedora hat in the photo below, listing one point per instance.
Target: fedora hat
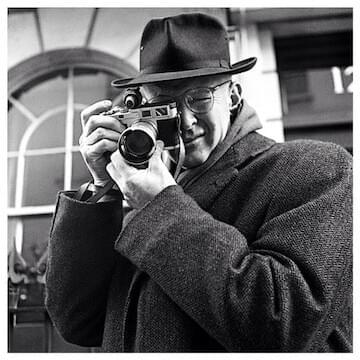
(184, 46)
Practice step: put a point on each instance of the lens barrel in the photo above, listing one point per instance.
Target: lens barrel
(138, 142)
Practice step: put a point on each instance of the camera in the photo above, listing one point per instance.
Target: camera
(145, 124)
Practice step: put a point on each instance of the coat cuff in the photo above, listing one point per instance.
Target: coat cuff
(85, 217)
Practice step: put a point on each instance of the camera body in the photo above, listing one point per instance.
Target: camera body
(144, 125)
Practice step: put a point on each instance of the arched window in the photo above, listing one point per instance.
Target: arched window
(46, 95)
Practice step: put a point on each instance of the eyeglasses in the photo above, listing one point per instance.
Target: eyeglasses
(199, 100)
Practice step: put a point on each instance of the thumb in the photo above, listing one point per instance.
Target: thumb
(156, 157)
(159, 149)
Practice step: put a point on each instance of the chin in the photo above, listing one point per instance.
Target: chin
(195, 160)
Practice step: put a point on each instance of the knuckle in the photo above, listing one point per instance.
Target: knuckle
(98, 147)
(81, 149)
(83, 114)
(109, 167)
(113, 156)
(86, 152)
(82, 146)
(128, 185)
(92, 121)
(83, 142)
(99, 134)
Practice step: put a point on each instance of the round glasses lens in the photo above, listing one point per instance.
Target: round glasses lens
(199, 100)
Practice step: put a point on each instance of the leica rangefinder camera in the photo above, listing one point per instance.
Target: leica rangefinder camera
(145, 123)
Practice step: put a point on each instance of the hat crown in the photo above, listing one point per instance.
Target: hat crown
(182, 47)
(184, 42)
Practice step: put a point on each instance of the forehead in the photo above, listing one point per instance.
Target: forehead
(178, 86)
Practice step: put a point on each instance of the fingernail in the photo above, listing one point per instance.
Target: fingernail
(107, 103)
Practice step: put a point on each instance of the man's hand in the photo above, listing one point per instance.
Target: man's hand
(99, 138)
(140, 186)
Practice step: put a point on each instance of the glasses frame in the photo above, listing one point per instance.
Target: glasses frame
(183, 95)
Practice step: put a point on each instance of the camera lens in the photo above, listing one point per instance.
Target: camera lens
(139, 143)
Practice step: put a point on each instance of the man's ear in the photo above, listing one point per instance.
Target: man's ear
(235, 95)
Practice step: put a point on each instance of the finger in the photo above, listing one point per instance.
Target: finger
(121, 164)
(108, 122)
(115, 157)
(159, 147)
(110, 169)
(156, 157)
(115, 175)
(101, 133)
(99, 148)
(95, 108)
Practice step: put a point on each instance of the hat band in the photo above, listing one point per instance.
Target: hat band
(221, 63)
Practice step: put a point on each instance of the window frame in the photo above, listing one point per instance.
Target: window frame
(32, 72)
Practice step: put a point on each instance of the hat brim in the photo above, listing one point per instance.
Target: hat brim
(142, 78)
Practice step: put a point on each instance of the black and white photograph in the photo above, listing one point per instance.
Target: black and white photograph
(179, 179)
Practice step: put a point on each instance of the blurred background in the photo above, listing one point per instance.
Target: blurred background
(62, 59)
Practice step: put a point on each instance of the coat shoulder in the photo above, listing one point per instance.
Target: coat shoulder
(312, 149)
(313, 157)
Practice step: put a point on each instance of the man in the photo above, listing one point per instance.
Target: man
(248, 249)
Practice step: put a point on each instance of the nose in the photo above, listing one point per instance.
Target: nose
(188, 120)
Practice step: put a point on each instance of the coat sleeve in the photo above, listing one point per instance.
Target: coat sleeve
(280, 292)
(80, 266)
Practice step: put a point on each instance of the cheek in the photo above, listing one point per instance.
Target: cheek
(217, 127)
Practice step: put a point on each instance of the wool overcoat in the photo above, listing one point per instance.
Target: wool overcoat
(255, 255)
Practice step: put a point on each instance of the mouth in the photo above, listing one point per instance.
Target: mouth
(191, 140)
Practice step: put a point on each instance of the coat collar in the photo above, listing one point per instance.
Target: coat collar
(240, 144)
(205, 189)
